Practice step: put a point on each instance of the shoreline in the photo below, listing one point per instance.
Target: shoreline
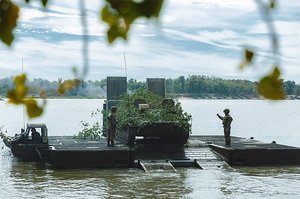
(178, 97)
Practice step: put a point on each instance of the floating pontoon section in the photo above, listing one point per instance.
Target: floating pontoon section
(156, 165)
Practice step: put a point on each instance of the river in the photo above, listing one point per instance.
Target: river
(264, 120)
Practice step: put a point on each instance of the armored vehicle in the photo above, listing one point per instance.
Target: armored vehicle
(146, 116)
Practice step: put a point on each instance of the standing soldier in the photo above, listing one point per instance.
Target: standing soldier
(112, 124)
(227, 119)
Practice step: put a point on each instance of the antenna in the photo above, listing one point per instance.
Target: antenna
(128, 112)
(125, 64)
(23, 104)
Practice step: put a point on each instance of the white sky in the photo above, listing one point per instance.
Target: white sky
(193, 37)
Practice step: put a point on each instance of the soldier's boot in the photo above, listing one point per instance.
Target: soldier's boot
(112, 143)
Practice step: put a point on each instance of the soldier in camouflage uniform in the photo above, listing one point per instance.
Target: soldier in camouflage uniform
(227, 119)
(112, 124)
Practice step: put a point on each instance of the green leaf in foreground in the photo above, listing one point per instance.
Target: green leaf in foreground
(44, 2)
(119, 15)
(9, 13)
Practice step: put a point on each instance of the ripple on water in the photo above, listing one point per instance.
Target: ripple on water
(35, 180)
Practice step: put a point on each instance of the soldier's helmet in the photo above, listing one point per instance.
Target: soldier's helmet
(226, 111)
(113, 109)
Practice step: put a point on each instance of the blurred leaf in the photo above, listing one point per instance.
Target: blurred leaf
(68, 85)
(271, 87)
(44, 2)
(113, 33)
(249, 55)
(21, 88)
(18, 96)
(242, 66)
(75, 71)
(33, 110)
(247, 59)
(9, 13)
(273, 4)
(119, 15)
(43, 94)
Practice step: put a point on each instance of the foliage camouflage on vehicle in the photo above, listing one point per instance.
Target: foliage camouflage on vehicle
(129, 115)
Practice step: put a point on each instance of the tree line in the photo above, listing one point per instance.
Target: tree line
(39, 86)
(198, 86)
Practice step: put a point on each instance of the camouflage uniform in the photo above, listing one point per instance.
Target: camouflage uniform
(226, 120)
(112, 124)
(35, 135)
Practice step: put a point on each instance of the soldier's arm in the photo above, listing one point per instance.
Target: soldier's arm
(220, 117)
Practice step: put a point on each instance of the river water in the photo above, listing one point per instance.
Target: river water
(263, 120)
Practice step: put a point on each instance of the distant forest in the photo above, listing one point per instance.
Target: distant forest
(197, 86)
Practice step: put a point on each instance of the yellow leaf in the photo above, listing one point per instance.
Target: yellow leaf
(17, 95)
(21, 88)
(9, 13)
(271, 87)
(11, 96)
(20, 79)
(249, 54)
(247, 59)
(242, 66)
(68, 85)
(33, 110)
(107, 16)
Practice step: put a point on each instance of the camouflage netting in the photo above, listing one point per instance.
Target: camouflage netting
(160, 110)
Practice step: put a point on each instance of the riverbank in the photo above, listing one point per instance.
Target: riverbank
(178, 97)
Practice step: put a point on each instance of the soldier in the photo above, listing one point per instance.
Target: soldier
(35, 135)
(227, 119)
(112, 124)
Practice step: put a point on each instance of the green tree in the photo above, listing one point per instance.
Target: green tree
(134, 85)
(289, 87)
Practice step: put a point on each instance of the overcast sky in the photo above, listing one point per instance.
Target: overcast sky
(192, 37)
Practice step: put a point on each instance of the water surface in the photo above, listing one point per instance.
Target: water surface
(263, 120)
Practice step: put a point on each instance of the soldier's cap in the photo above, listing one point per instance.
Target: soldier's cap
(113, 108)
(226, 111)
